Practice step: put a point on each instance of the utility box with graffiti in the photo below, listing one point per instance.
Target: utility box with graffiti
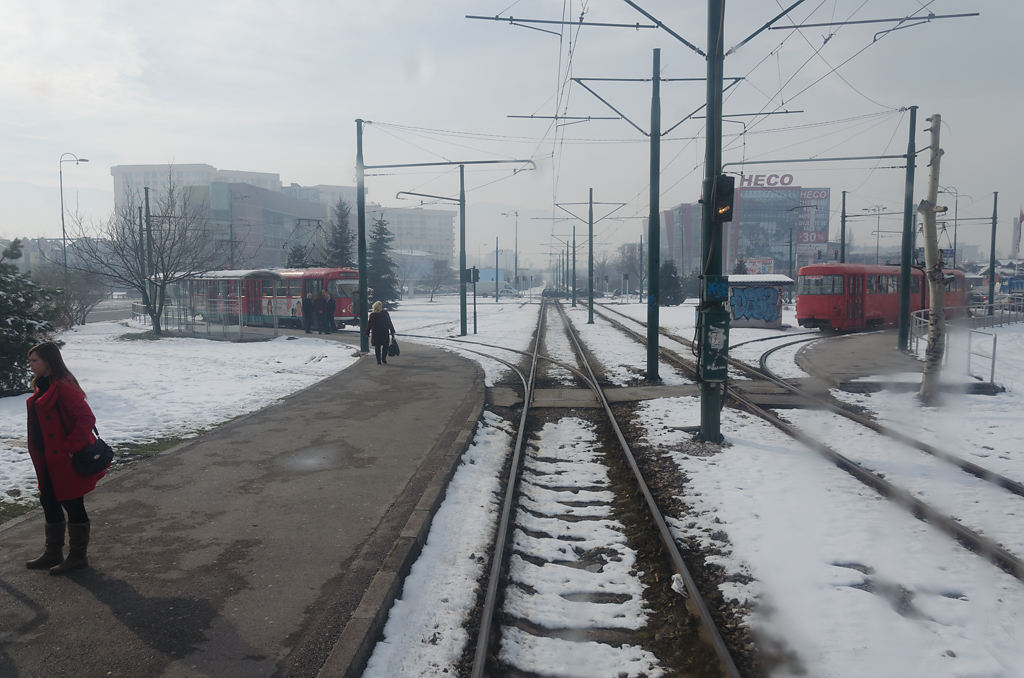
(756, 300)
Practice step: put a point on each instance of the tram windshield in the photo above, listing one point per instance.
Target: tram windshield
(819, 284)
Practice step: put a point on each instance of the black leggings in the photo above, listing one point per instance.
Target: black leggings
(54, 510)
(381, 352)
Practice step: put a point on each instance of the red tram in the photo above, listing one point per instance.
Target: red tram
(261, 296)
(856, 296)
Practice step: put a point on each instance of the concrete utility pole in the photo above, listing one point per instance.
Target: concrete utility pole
(590, 262)
(933, 270)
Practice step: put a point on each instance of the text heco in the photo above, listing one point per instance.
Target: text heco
(766, 180)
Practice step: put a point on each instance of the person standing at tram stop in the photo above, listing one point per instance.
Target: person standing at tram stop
(329, 306)
(381, 331)
(307, 313)
(319, 310)
(60, 423)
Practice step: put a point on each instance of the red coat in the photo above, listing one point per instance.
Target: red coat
(52, 454)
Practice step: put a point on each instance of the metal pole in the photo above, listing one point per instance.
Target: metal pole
(63, 230)
(590, 261)
(906, 249)
(711, 392)
(653, 225)
(462, 255)
(515, 260)
(574, 265)
(496, 292)
(992, 258)
(842, 233)
(364, 341)
(956, 211)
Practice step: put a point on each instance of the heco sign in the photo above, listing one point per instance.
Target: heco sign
(766, 180)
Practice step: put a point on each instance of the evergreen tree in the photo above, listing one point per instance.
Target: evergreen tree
(671, 285)
(341, 240)
(297, 257)
(29, 312)
(741, 266)
(381, 270)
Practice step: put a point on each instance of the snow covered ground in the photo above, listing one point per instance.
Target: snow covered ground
(843, 581)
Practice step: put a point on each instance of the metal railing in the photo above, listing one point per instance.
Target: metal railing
(224, 323)
(970, 318)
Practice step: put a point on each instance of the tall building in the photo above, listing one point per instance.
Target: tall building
(775, 222)
(259, 220)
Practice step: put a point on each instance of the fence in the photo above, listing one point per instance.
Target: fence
(971, 318)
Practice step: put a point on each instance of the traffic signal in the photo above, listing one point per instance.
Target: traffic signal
(476, 274)
(722, 197)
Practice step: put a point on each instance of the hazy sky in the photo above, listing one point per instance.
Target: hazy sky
(276, 87)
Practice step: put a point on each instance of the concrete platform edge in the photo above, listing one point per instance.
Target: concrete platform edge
(352, 650)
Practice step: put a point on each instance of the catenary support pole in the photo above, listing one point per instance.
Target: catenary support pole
(714, 317)
(497, 292)
(654, 225)
(906, 250)
(364, 341)
(590, 261)
(992, 258)
(462, 254)
(842, 232)
(574, 265)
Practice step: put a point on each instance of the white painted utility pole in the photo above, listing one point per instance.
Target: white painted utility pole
(933, 272)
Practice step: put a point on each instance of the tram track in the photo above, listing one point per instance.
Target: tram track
(560, 551)
(736, 393)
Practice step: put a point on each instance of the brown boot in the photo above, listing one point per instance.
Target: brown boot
(54, 552)
(78, 542)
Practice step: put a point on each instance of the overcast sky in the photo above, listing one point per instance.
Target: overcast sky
(276, 87)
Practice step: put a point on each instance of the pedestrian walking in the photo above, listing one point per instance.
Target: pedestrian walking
(329, 305)
(381, 331)
(319, 310)
(307, 312)
(60, 423)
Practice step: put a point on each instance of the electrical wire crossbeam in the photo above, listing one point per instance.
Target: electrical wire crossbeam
(427, 195)
(580, 22)
(561, 206)
(839, 159)
(873, 21)
(449, 162)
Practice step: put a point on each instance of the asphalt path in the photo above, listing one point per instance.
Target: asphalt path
(250, 550)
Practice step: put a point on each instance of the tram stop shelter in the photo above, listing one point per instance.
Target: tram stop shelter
(755, 300)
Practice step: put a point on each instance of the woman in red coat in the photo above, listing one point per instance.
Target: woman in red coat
(60, 423)
(381, 330)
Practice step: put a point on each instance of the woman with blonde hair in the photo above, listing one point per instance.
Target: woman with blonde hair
(381, 331)
(60, 423)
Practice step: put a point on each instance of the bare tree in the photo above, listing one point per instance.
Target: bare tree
(440, 275)
(80, 291)
(148, 254)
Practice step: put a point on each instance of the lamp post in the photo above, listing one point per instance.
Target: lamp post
(63, 230)
(515, 263)
(877, 209)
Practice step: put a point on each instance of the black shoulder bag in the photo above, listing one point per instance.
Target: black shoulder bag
(91, 459)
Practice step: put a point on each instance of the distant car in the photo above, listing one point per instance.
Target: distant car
(976, 298)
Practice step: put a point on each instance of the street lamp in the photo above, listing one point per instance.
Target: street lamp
(877, 209)
(63, 231)
(515, 271)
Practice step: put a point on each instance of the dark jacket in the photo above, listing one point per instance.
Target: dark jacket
(319, 307)
(307, 307)
(329, 307)
(379, 327)
(59, 424)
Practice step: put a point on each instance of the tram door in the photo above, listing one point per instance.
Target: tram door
(855, 301)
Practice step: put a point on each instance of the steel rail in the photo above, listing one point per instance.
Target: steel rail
(667, 539)
(1007, 561)
(498, 556)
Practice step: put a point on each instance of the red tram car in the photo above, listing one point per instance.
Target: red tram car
(260, 296)
(847, 297)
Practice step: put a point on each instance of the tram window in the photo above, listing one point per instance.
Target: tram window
(336, 288)
(294, 288)
(820, 284)
(915, 285)
(871, 284)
